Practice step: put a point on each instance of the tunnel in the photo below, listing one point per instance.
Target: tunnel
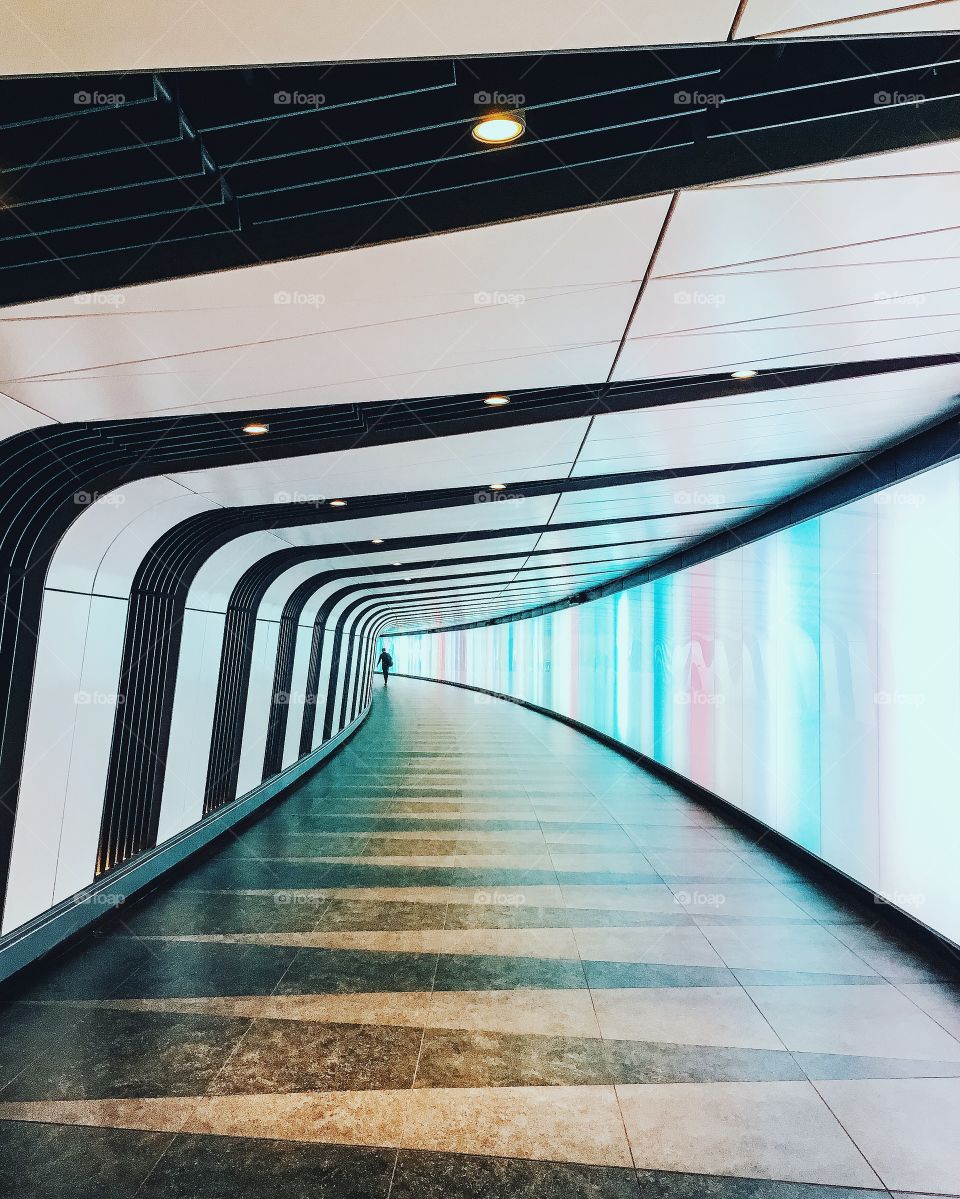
(480, 645)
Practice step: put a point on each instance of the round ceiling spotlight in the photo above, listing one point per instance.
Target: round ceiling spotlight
(747, 373)
(498, 487)
(497, 401)
(338, 503)
(377, 541)
(256, 428)
(499, 128)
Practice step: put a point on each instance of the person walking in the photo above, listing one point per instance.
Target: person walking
(385, 662)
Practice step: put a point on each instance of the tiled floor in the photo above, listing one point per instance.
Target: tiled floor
(478, 954)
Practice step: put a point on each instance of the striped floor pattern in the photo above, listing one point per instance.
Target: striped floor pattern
(478, 954)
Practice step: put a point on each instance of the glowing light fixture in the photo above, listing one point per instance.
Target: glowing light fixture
(498, 128)
(338, 503)
(498, 487)
(744, 374)
(377, 541)
(497, 401)
(255, 428)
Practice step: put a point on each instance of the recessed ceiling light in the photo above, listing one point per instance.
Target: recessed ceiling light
(744, 374)
(497, 401)
(498, 487)
(398, 563)
(338, 503)
(377, 541)
(498, 128)
(255, 428)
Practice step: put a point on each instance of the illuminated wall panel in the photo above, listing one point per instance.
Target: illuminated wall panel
(811, 678)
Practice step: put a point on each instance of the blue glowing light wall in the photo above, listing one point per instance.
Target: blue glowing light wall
(812, 678)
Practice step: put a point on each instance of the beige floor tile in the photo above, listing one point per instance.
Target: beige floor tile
(654, 899)
(939, 1000)
(673, 945)
(683, 1016)
(871, 1020)
(502, 942)
(569, 1124)
(542, 1012)
(807, 948)
(906, 1128)
(779, 1130)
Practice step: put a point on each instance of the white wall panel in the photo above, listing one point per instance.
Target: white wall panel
(97, 705)
(188, 755)
(53, 708)
(263, 665)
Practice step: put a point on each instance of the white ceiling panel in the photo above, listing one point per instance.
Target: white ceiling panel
(497, 455)
(718, 227)
(764, 17)
(849, 414)
(527, 303)
(88, 35)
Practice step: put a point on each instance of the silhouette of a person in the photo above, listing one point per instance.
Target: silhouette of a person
(385, 662)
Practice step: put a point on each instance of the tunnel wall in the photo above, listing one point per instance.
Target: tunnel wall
(811, 678)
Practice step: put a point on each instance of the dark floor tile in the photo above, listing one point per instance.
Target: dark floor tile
(643, 974)
(342, 971)
(183, 912)
(476, 972)
(423, 1175)
(798, 978)
(96, 968)
(214, 1167)
(656, 1184)
(836, 1065)
(605, 878)
(55, 1161)
(532, 916)
(99, 1053)
(347, 915)
(197, 968)
(454, 1058)
(296, 1055)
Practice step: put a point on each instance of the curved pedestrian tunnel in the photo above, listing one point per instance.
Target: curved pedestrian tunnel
(479, 954)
